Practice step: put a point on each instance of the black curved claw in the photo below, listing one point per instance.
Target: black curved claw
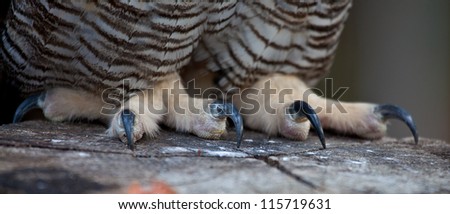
(128, 123)
(388, 111)
(221, 110)
(27, 105)
(300, 110)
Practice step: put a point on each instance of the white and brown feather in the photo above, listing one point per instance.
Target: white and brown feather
(264, 37)
(93, 45)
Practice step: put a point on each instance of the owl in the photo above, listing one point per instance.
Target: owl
(120, 62)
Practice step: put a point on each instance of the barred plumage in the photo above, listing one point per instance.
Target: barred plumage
(275, 36)
(94, 45)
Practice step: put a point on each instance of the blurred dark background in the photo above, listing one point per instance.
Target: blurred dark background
(398, 52)
(391, 51)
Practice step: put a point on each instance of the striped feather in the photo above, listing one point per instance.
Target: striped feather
(94, 45)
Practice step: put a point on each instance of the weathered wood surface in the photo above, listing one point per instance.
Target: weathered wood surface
(45, 157)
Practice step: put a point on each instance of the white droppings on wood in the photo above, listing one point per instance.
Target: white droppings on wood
(174, 149)
(230, 154)
(83, 154)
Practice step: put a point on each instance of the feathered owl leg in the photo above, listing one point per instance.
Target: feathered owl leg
(361, 119)
(205, 118)
(139, 115)
(63, 104)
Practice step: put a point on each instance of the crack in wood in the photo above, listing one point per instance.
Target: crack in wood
(276, 164)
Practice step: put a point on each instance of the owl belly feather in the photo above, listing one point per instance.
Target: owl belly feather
(267, 37)
(94, 46)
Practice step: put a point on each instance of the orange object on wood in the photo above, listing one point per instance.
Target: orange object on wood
(156, 187)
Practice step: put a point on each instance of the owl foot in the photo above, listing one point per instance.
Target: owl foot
(205, 118)
(209, 122)
(62, 104)
(277, 114)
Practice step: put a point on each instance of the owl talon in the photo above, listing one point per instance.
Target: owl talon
(28, 104)
(394, 112)
(222, 110)
(300, 111)
(128, 118)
